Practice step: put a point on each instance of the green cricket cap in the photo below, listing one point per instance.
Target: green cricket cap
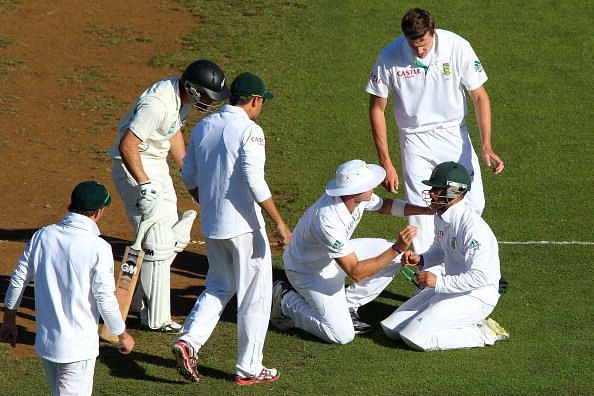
(447, 172)
(248, 84)
(89, 196)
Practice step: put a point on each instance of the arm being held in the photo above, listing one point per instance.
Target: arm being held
(400, 208)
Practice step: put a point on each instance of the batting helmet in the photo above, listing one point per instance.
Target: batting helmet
(205, 78)
(451, 176)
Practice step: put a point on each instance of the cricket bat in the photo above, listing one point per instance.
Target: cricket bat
(128, 277)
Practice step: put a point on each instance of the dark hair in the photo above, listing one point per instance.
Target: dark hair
(235, 100)
(416, 23)
(87, 213)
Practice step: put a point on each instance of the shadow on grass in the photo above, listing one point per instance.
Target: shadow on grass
(126, 366)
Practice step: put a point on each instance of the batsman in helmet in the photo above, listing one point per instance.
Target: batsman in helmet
(148, 133)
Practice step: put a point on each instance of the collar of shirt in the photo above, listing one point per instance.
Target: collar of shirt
(79, 221)
(235, 110)
(453, 212)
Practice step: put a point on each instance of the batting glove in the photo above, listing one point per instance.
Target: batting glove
(148, 200)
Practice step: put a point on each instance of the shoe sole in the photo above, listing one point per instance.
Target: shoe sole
(183, 368)
(251, 381)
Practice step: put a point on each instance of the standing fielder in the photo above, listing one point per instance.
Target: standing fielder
(72, 270)
(147, 134)
(450, 311)
(428, 70)
(224, 172)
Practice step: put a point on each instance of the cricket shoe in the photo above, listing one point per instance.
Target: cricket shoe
(186, 357)
(277, 318)
(359, 326)
(500, 333)
(266, 375)
(169, 327)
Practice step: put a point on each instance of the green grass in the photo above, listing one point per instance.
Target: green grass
(315, 57)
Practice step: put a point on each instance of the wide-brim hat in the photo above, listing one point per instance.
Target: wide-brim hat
(355, 177)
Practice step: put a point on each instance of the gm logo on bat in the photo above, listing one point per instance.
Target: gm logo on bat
(129, 268)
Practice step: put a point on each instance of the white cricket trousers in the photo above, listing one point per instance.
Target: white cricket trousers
(320, 303)
(421, 153)
(432, 321)
(242, 266)
(70, 379)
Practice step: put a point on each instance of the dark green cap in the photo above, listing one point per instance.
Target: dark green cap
(89, 196)
(248, 84)
(447, 172)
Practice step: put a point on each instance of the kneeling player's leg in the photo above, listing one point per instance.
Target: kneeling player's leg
(400, 318)
(449, 322)
(318, 305)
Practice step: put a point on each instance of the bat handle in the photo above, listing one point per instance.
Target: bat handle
(142, 229)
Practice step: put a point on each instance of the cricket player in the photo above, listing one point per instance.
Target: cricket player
(147, 134)
(224, 172)
(450, 311)
(72, 271)
(321, 254)
(428, 70)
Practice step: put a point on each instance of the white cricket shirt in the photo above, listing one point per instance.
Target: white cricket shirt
(155, 116)
(323, 233)
(225, 160)
(426, 99)
(469, 250)
(72, 270)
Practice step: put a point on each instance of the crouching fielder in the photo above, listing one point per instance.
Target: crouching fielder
(450, 311)
(321, 254)
(72, 268)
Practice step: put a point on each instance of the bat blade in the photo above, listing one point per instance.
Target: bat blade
(125, 285)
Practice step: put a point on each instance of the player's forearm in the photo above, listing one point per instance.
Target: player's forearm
(369, 267)
(270, 208)
(482, 109)
(379, 129)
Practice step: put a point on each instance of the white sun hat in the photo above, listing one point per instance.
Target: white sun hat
(355, 177)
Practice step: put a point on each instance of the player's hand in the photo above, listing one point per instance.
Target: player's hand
(410, 258)
(391, 182)
(126, 343)
(405, 237)
(493, 161)
(426, 279)
(148, 200)
(9, 332)
(285, 235)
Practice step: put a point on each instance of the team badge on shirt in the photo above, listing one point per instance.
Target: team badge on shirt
(478, 67)
(337, 244)
(475, 245)
(453, 243)
(445, 69)
(172, 128)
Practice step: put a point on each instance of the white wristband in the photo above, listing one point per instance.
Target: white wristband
(398, 207)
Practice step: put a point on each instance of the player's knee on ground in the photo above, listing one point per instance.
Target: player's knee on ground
(390, 332)
(340, 336)
(416, 341)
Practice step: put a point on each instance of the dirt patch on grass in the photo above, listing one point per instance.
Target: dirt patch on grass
(68, 72)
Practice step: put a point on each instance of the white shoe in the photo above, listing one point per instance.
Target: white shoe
(169, 327)
(277, 319)
(500, 333)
